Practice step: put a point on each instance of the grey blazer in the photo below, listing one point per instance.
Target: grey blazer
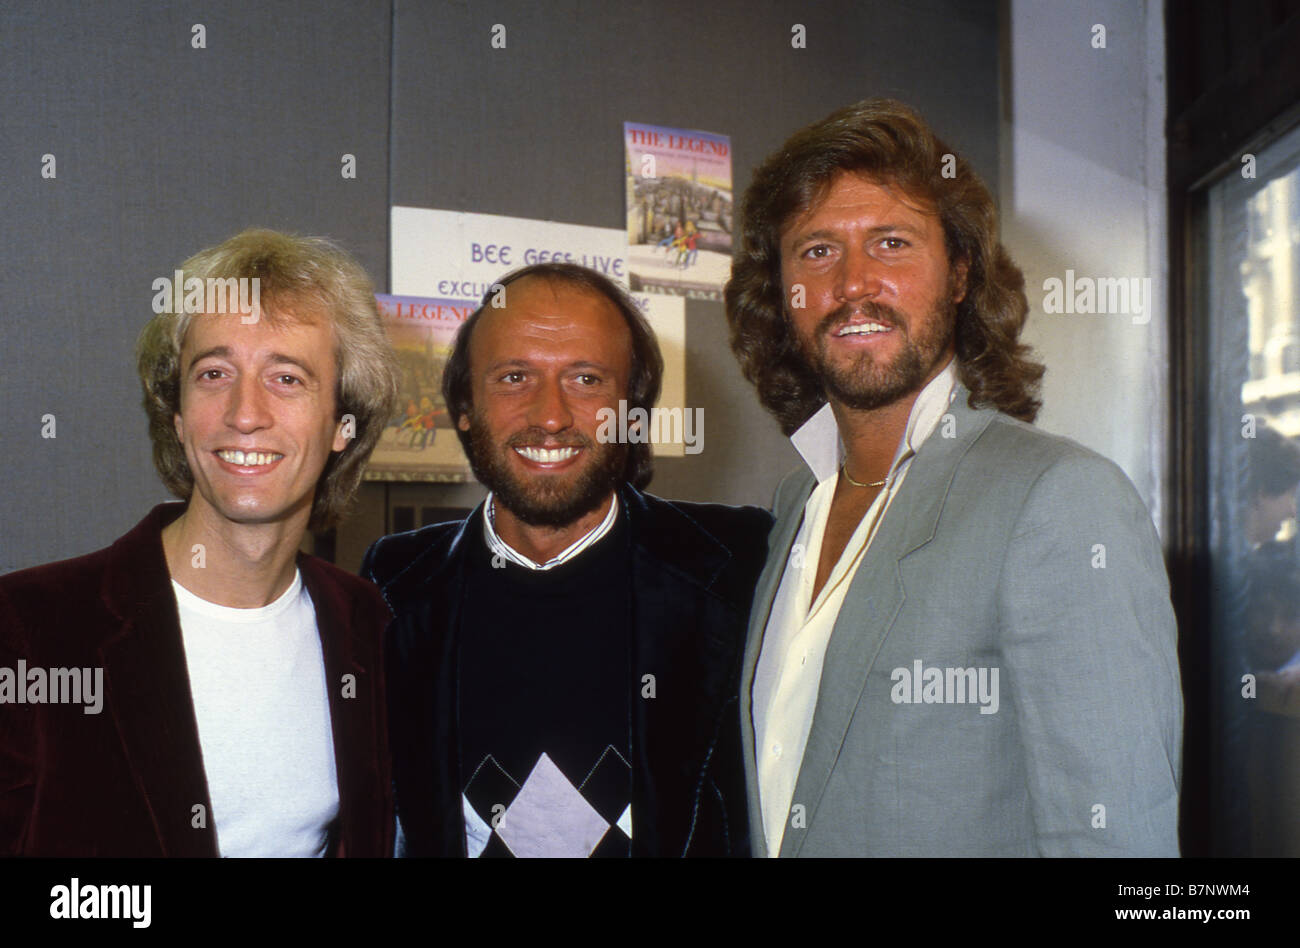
(1006, 549)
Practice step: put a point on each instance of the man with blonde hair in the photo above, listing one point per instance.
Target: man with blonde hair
(228, 696)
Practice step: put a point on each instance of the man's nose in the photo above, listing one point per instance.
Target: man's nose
(248, 407)
(859, 277)
(549, 408)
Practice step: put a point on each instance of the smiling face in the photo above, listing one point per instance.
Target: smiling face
(257, 414)
(542, 367)
(878, 299)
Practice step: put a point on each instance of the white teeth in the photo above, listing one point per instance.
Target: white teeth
(862, 329)
(547, 456)
(248, 458)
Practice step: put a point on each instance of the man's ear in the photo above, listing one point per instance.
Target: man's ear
(960, 270)
(463, 422)
(179, 426)
(341, 438)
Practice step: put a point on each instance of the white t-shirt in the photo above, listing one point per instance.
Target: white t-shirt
(257, 677)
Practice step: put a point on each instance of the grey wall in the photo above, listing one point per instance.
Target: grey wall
(163, 149)
(1088, 195)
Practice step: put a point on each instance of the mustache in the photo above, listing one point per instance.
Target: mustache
(874, 312)
(538, 438)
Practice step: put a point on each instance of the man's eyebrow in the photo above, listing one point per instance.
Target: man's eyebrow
(507, 363)
(525, 364)
(220, 352)
(825, 234)
(274, 358)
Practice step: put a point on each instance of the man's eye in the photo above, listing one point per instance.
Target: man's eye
(513, 377)
(817, 251)
(588, 379)
(287, 379)
(894, 243)
(209, 373)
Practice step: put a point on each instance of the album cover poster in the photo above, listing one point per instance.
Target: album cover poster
(419, 443)
(679, 210)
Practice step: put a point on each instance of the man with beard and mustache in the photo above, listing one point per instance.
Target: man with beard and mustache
(563, 666)
(962, 643)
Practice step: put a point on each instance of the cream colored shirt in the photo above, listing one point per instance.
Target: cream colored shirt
(788, 674)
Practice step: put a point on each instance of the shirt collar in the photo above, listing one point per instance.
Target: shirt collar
(501, 548)
(818, 439)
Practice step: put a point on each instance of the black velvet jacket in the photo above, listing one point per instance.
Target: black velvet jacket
(694, 568)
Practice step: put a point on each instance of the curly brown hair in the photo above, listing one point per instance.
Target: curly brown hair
(890, 143)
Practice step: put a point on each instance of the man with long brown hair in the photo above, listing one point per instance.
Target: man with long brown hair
(229, 689)
(962, 643)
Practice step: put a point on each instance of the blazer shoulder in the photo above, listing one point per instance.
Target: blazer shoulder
(45, 596)
(1054, 472)
(390, 556)
(735, 527)
(54, 579)
(1033, 445)
(728, 544)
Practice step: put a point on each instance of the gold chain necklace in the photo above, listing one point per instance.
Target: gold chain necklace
(845, 471)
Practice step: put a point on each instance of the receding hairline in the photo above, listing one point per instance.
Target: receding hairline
(555, 282)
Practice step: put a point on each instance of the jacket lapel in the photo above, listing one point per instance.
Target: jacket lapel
(676, 617)
(352, 731)
(421, 662)
(789, 517)
(874, 598)
(147, 689)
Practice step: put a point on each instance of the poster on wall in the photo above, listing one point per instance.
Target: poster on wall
(679, 210)
(457, 255)
(419, 443)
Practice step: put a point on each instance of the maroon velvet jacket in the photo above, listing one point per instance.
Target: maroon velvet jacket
(124, 782)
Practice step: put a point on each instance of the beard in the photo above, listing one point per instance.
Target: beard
(866, 383)
(548, 500)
